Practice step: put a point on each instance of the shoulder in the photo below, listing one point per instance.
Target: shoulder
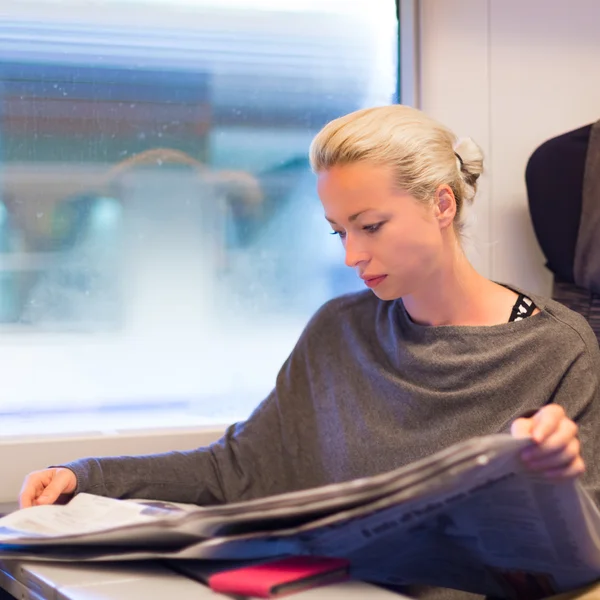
(345, 313)
(349, 303)
(572, 329)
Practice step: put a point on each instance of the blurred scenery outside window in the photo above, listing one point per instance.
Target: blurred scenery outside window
(161, 241)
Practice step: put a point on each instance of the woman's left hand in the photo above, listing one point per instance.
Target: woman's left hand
(557, 452)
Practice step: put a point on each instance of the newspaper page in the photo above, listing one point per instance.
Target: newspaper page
(506, 534)
(476, 521)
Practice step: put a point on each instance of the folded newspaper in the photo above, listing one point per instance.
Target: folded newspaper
(471, 517)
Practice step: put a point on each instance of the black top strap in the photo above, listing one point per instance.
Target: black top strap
(522, 309)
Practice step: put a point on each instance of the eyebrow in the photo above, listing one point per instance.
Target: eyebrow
(351, 217)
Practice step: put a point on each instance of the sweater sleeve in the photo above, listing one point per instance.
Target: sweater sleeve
(272, 452)
(579, 394)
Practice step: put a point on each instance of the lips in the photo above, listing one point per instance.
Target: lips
(371, 277)
(373, 280)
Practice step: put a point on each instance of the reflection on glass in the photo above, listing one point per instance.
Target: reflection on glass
(161, 241)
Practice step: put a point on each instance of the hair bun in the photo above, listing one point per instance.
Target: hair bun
(471, 157)
(471, 164)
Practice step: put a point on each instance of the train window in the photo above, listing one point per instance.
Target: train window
(161, 241)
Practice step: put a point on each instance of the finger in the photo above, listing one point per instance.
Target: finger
(521, 428)
(558, 459)
(58, 486)
(556, 442)
(546, 421)
(575, 469)
(31, 489)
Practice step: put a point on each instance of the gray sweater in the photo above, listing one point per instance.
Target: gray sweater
(367, 390)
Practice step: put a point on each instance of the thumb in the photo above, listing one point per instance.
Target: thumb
(60, 484)
(521, 428)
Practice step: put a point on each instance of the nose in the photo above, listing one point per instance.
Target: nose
(354, 254)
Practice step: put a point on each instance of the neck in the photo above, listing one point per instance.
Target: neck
(455, 294)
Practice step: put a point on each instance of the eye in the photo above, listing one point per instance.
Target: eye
(341, 234)
(373, 228)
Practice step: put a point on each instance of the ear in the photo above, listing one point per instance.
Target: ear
(445, 206)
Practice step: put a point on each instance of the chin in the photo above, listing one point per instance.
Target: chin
(387, 295)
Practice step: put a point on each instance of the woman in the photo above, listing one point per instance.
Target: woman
(433, 354)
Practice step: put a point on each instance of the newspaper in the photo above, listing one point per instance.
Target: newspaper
(471, 517)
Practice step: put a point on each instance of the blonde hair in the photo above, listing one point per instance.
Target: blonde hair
(422, 153)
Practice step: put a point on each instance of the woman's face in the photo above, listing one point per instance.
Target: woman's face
(392, 241)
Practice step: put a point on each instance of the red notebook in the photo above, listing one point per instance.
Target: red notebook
(280, 577)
